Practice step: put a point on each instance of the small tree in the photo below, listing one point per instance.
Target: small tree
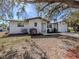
(73, 20)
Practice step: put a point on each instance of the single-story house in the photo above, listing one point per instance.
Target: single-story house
(60, 26)
(35, 25)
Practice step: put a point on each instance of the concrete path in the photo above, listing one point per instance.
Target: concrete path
(76, 35)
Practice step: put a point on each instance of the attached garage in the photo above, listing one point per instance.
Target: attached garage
(58, 27)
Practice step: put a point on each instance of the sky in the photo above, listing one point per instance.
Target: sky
(31, 11)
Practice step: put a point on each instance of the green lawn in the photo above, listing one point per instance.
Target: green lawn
(70, 29)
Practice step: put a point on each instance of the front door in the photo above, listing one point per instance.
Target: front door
(44, 28)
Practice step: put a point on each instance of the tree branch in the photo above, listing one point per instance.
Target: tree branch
(56, 7)
(45, 6)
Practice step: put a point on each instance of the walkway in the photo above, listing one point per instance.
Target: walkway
(76, 35)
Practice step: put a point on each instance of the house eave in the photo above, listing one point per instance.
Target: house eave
(30, 19)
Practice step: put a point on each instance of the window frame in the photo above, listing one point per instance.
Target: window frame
(35, 24)
(20, 24)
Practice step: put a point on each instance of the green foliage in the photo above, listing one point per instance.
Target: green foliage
(73, 19)
(70, 29)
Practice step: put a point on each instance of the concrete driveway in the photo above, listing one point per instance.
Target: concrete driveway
(56, 46)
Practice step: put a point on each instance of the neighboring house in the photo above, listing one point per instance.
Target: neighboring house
(60, 26)
(35, 25)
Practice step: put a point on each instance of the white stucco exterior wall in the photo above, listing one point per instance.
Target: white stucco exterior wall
(38, 27)
(62, 27)
(14, 29)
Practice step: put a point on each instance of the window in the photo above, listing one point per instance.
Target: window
(20, 25)
(35, 24)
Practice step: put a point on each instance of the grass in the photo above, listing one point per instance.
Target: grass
(70, 29)
(10, 41)
(2, 34)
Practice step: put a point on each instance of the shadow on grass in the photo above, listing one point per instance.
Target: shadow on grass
(58, 36)
(45, 36)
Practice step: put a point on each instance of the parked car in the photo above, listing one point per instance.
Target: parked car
(1, 29)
